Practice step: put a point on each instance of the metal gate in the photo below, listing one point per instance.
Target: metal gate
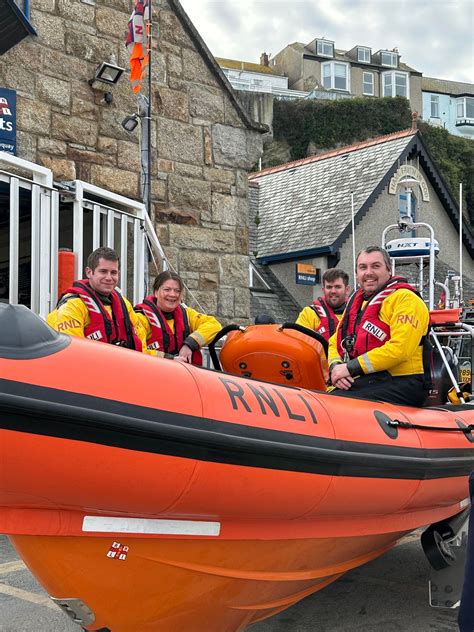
(38, 218)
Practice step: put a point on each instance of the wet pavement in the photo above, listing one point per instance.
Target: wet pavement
(389, 594)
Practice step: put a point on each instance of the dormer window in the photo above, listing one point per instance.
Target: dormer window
(325, 48)
(389, 59)
(363, 54)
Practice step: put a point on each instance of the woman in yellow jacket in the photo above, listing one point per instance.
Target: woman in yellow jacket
(173, 329)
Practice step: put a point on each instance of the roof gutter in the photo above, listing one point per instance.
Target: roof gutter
(298, 254)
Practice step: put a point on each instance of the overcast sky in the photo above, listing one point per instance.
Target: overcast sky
(432, 36)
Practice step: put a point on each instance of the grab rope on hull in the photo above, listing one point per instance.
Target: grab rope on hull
(396, 423)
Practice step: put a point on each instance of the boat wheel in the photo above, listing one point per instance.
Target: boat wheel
(437, 550)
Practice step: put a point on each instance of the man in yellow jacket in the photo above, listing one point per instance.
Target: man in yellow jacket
(92, 307)
(325, 312)
(377, 350)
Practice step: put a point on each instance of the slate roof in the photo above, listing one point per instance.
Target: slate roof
(235, 64)
(277, 301)
(305, 205)
(442, 86)
(342, 56)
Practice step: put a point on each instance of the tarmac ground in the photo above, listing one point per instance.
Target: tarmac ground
(389, 594)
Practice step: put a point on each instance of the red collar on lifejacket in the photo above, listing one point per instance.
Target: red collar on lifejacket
(361, 328)
(327, 317)
(115, 328)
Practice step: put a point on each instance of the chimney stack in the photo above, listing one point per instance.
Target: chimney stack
(264, 59)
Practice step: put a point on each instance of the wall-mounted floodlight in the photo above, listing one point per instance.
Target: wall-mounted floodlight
(129, 123)
(107, 72)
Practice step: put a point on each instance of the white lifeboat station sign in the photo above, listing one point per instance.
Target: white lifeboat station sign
(409, 171)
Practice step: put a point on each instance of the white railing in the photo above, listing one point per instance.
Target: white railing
(38, 220)
(112, 226)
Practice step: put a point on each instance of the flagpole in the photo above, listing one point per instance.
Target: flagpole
(460, 242)
(353, 241)
(149, 47)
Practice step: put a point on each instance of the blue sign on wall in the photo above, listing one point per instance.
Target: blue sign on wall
(8, 121)
(307, 274)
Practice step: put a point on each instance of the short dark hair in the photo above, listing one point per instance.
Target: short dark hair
(333, 274)
(166, 276)
(385, 255)
(101, 253)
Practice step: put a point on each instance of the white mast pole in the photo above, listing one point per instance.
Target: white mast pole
(353, 240)
(460, 240)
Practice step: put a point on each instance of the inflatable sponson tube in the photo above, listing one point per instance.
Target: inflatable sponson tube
(24, 336)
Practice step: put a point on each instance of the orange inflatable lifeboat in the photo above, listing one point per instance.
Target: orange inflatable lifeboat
(146, 494)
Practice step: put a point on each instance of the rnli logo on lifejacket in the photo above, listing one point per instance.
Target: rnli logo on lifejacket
(154, 346)
(374, 330)
(322, 330)
(152, 318)
(95, 335)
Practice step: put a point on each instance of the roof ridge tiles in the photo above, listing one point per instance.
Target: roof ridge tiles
(334, 152)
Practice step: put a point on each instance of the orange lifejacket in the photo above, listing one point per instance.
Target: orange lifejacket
(116, 329)
(361, 329)
(162, 337)
(327, 317)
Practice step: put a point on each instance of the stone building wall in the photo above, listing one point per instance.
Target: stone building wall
(202, 141)
(259, 107)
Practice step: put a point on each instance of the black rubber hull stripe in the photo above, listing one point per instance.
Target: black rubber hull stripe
(51, 412)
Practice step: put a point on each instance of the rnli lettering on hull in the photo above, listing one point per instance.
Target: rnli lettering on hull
(267, 400)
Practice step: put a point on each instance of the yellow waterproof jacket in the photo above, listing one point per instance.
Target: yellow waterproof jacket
(72, 317)
(408, 318)
(309, 319)
(202, 327)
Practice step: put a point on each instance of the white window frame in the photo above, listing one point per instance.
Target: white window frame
(368, 94)
(434, 106)
(332, 65)
(366, 52)
(393, 86)
(461, 108)
(320, 44)
(394, 56)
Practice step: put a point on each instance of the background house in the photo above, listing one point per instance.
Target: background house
(256, 86)
(304, 209)
(357, 72)
(449, 104)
